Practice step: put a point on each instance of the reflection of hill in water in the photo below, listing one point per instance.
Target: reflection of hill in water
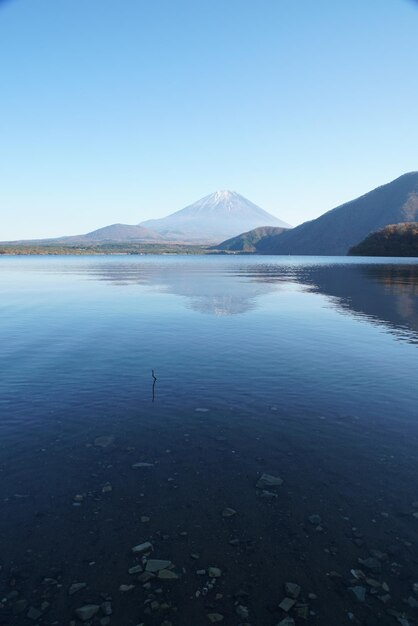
(386, 294)
(216, 291)
(383, 293)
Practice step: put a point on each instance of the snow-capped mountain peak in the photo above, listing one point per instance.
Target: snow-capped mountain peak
(222, 214)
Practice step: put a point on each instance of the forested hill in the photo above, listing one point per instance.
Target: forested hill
(393, 240)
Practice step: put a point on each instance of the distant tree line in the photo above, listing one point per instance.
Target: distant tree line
(110, 248)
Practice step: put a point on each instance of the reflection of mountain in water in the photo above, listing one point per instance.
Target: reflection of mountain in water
(383, 293)
(216, 291)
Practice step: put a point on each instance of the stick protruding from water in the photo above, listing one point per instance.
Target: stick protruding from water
(153, 385)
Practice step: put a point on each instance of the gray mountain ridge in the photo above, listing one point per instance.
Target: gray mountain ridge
(114, 233)
(336, 231)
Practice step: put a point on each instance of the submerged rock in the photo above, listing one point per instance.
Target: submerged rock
(385, 598)
(167, 574)
(142, 465)
(267, 480)
(242, 611)
(302, 610)
(84, 613)
(155, 565)
(106, 608)
(286, 604)
(214, 617)
(371, 563)
(287, 621)
(268, 495)
(292, 590)
(228, 512)
(379, 554)
(214, 572)
(125, 588)
(143, 547)
(358, 592)
(76, 587)
(33, 614)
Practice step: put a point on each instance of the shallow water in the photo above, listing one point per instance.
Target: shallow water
(303, 368)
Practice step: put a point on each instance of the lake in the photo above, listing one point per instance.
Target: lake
(278, 443)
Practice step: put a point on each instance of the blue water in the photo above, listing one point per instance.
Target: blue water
(305, 367)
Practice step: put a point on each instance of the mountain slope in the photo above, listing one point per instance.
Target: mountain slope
(115, 233)
(335, 232)
(247, 242)
(214, 218)
(393, 240)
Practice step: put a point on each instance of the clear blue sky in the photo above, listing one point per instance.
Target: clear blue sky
(123, 110)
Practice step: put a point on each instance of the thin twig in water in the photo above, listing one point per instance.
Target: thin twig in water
(153, 385)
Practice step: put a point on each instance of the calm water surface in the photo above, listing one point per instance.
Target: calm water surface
(299, 367)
